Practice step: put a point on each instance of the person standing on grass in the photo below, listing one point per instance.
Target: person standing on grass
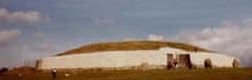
(54, 71)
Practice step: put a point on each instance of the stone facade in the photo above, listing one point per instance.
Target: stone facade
(135, 59)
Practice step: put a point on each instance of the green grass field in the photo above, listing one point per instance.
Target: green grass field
(192, 74)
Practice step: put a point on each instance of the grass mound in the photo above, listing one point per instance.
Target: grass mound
(131, 45)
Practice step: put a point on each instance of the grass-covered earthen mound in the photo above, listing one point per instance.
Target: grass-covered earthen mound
(131, 45)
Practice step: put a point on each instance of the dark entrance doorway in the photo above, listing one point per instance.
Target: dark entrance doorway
(170, 61)
(184, 61)
(169, 58)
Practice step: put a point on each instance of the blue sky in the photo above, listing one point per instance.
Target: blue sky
(39, 28)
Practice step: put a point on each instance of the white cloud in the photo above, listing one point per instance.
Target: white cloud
(229, 38)
(6, 35)
(155, 37)
(31, 16)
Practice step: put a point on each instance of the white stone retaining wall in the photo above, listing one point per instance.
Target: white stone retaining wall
(115, 59)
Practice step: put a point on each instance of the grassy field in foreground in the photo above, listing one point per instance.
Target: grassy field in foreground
(193, 74)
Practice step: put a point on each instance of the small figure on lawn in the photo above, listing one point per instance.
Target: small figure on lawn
(54, 71)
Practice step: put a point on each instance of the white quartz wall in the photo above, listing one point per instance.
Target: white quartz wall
(105, 59)
(130, 58)
(218, 60)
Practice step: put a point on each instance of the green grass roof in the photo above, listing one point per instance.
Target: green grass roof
(131, 45)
